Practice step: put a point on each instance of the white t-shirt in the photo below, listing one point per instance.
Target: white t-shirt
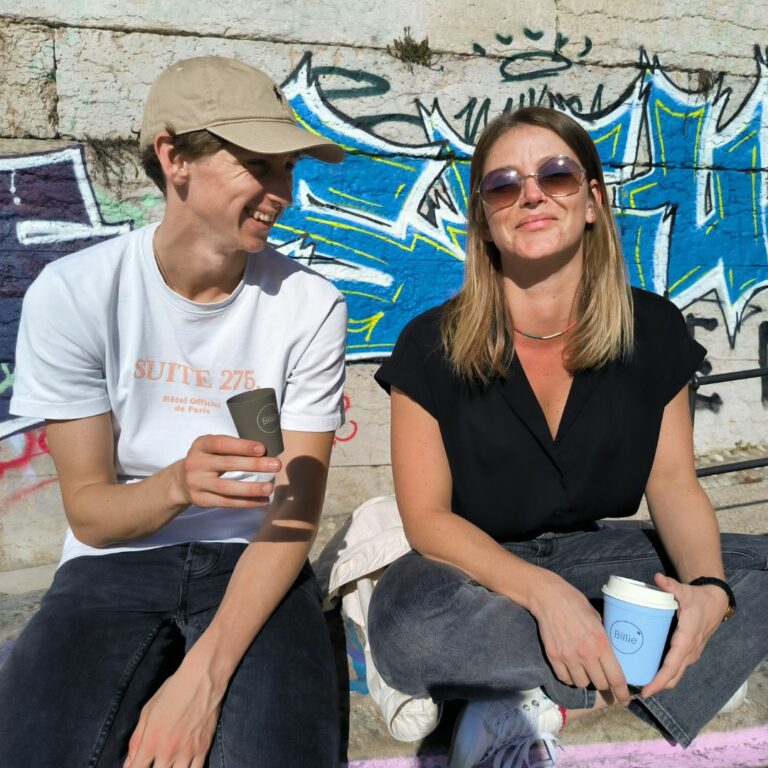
(100, 331)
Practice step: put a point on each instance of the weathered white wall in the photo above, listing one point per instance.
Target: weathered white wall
(73, 75)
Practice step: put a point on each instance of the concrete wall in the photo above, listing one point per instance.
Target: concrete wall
(672, 92)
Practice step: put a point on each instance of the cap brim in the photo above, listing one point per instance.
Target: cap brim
(273, 137)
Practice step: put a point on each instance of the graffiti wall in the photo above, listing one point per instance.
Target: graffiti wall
(47, 209)
(679, 127)
(689, 197)
(673, 95)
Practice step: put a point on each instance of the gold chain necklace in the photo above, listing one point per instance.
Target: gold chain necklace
(545, 338)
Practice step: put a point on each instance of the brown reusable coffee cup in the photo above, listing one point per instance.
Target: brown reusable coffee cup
(256, 418)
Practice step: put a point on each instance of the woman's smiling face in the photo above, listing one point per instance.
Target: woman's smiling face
(536, 226)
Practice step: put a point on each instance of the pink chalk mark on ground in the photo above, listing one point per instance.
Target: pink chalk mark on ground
(747, 748)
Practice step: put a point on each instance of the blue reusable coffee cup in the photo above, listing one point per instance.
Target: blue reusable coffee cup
(636, 617)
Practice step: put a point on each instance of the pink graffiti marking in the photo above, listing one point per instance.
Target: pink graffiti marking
(34, 445)
(8, 501)
(352, 425)
(746, 748)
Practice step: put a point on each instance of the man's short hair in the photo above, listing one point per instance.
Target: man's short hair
(192, 146)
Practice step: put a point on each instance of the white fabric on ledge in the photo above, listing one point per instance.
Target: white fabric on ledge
(350, 565)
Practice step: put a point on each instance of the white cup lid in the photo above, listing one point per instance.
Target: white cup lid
(632, 591)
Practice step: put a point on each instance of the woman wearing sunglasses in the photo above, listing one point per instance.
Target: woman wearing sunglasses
(545, 396)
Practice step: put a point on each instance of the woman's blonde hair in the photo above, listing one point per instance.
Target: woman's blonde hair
(477, 333)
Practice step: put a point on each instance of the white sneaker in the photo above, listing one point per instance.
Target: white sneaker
(736, 700)
(507, 730)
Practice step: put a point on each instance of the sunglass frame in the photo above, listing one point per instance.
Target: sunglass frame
(581, 177)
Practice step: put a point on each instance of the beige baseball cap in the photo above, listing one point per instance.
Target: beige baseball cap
(234, 101)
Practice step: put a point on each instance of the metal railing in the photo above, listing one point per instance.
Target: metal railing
(693, 387)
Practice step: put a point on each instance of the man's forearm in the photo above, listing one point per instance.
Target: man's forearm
(102, 511)
(263, 575)
(270, 564)
(104, 514)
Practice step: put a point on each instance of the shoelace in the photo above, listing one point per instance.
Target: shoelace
(518, 753)
(516, 734)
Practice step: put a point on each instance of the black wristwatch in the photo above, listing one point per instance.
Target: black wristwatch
(705, 580)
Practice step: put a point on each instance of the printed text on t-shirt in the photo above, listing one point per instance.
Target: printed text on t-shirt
(179, 373)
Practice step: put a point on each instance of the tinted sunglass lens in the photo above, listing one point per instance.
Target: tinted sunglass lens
(500, 187)
(559, 177)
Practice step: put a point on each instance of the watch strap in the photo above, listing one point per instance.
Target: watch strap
(715, 582)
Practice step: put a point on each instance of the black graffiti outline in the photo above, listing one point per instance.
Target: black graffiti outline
(378, 85)
(555, 57)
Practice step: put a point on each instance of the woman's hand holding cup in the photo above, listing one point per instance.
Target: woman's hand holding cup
(701, 612)
(575, 641)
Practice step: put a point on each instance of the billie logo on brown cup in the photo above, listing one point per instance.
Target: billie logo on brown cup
(256, 418)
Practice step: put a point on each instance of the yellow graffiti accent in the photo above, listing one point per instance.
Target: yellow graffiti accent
(720, 207)
(365, 325)
(617, 132)
(397, 293)
(637, 258)
(307, 127)
(409, 248)
(661, 141)
(698, 113)
(328, 241)
(356, 199)
(394, 164)
(352, 150)
(730, 277)
(749, 282)
(719, 196)
(365, 295)
(683, 278)
(399, 190)
(460, 183)
(454, 232)
(754, 192)
(638, 191)
(368, 346)
(741, 141)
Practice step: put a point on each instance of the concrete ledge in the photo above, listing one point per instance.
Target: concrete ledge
(611, 738)
(608, 739)
(26, 580)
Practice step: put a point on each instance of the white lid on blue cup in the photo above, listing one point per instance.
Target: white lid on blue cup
(639, 593)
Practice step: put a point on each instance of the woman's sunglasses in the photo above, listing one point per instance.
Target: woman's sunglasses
(558, 176)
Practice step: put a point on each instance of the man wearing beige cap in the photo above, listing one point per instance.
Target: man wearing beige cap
(183, 627)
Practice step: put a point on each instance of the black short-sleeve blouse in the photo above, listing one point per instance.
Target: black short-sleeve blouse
(510, 478)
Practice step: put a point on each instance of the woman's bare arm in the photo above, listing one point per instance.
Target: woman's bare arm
(688, 529)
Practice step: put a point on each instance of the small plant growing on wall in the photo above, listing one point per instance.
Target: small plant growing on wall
(411, 52)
